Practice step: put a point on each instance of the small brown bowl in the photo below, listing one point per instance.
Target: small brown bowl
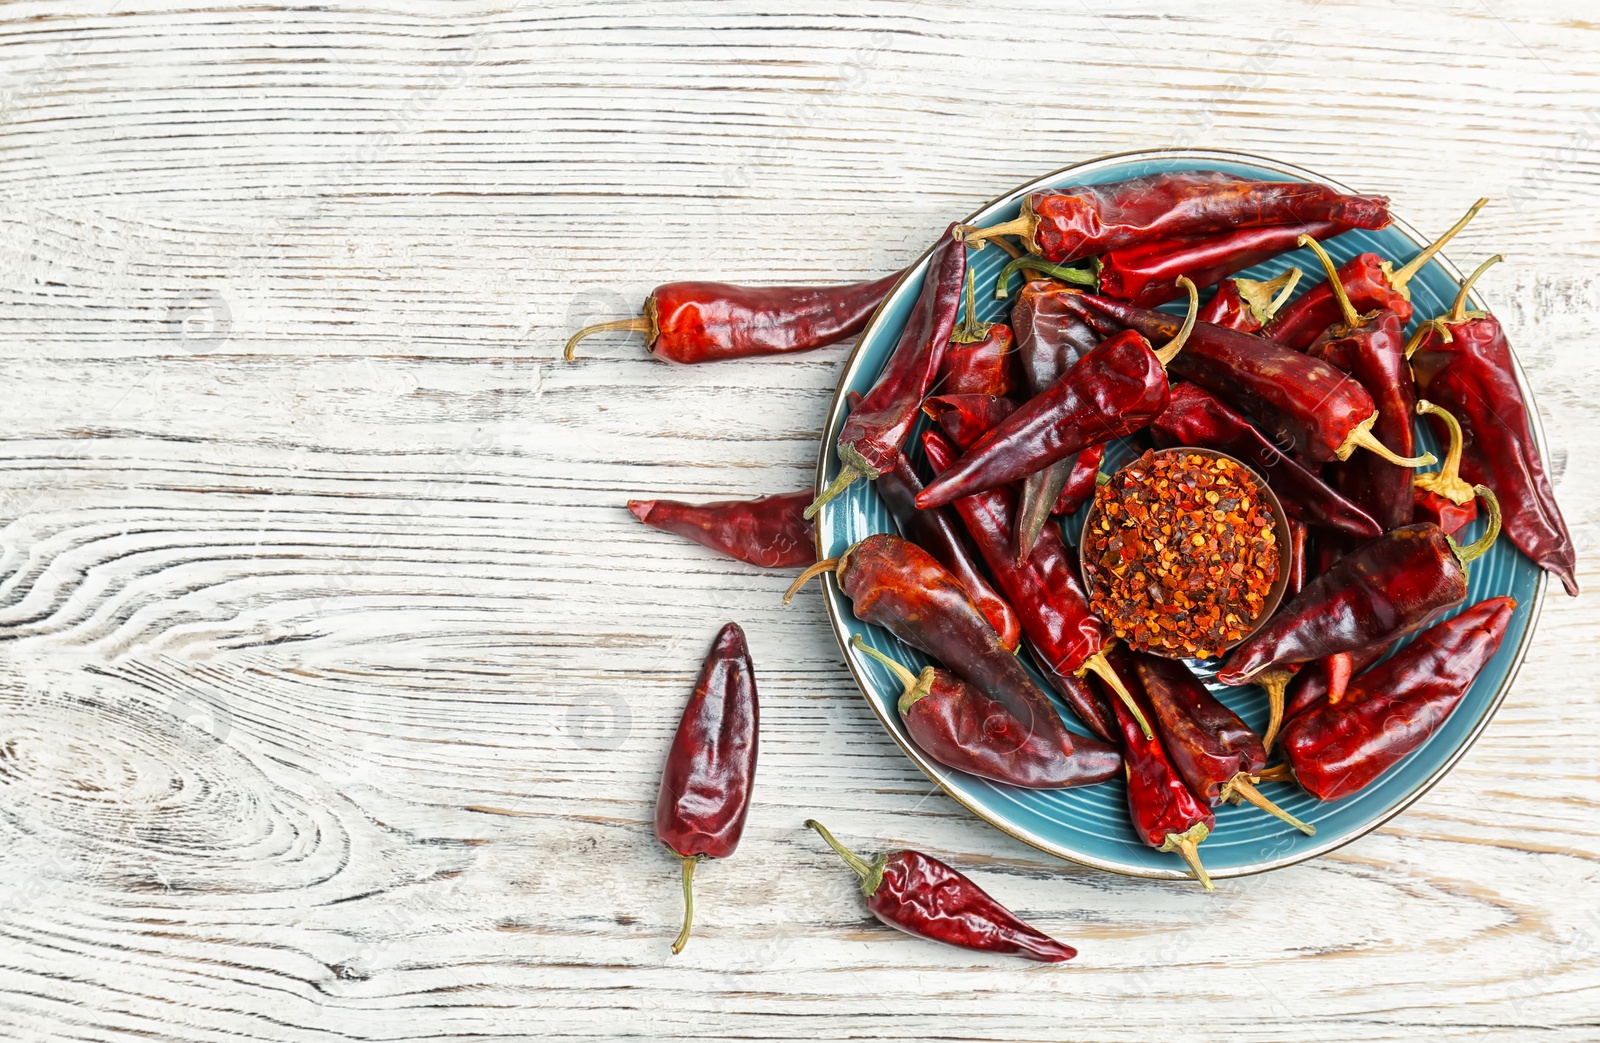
(1280, 532)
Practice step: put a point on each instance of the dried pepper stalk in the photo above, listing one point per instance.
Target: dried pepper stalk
(769, 532)
(925, 898)
(710, 321)
(1247, 305)
(1443, 496)
(705, 789)
(1144, 274)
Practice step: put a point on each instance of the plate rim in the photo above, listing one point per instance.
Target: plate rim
(833, 598)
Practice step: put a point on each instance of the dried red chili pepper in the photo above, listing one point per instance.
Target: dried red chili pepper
(1313, 408)
(1081, 482)
(710, 321)
(705, 789)
(1296, 555)
(1114, 390)
(1372, 349)
(925, 898)
(1066, 637)
(1144, 274)
(1166, 815)
(1196, 417)
(897, 585)
(1384, 589)
(879, 427)
(1067, 224)
(1393, 708)
(1248, 304)
(979, 357)
(1443, 496)
(1219, 757)
(967, 418)
(962, 728)
(935, 532)
(1463, 362)
(769, 532)
(1372, 284)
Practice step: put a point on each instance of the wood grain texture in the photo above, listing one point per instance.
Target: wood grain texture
(336, 677)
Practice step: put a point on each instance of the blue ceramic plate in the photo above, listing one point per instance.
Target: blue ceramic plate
(1090, 825)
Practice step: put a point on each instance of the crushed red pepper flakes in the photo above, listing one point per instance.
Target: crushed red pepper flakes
(1180, 555)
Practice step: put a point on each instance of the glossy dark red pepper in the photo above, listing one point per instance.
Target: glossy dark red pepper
(1145, 274)
(967, 418)
(1443, 496)
(1196, 417)
(1081, 482)
(878, 428)
(1393, 708)
(1067, 638)
(979, 358)
(923, 897)
(937, 533)
(1464, 363)
(710, 321)
(705, 789)
(1217, 754)
(769, 532)
(1247, 304)
(962, 728)
(1369, 280)
(1064, 225)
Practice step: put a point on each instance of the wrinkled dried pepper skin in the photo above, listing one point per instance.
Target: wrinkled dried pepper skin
(1146, 274)
(705, 789)
(1366, 279)
(879, 427)
(1049, 600)
(769, 532)
(967, 418)
(1081, 480)
(1207, 742)
(1450, 516)
(1077, 222)
(980, 368)
(1196, 417)
(1310, 686)
(935, 532)
(1384, 589)
(1392, 709)
(1309, 406)
(897, 585)
(1473, 376)
(1295, 554)
(1115, 390)
(1375, 354)
(710, 321)
(1159, 801)
(1228, 308)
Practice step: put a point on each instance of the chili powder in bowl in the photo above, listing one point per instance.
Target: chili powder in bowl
(1182, 552)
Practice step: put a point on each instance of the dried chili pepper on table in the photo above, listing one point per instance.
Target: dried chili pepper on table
(962, 728)
(1443, 496)
(769, 532)
(879, 427)
(935, 532)
(1067, 638)
(894, 584)
(1247, 305)
(711, 321)
(1114, 390)
(1066, 224)
(925, 898)
(1394, 708)
(705, 789)
(1196, 417)
(1144, 274)
(1463, 362)
(1314, 408)
(1216, 753)
(967, 418)
(1372, 349)
(1371, 283)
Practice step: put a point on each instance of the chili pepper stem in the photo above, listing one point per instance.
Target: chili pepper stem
(688, 903)
(808, 575)
(1363, 438)
(1399, 279)
(1458, 310)
(916, 688)
(1175, 345)
(1023, 226)
(1276, 682)
(1100, 666)
(1477, 548)
(970, 330)
(1351, 317)
(1242, 787)
(1187, 844)
(871, 873)
(1431, 326)
(1280, 772)
(852, 467)
(644, 324)
(1264, 298)
(1040, 266)
(1446, 481)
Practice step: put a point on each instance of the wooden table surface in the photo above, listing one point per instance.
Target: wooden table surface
(337, 681)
